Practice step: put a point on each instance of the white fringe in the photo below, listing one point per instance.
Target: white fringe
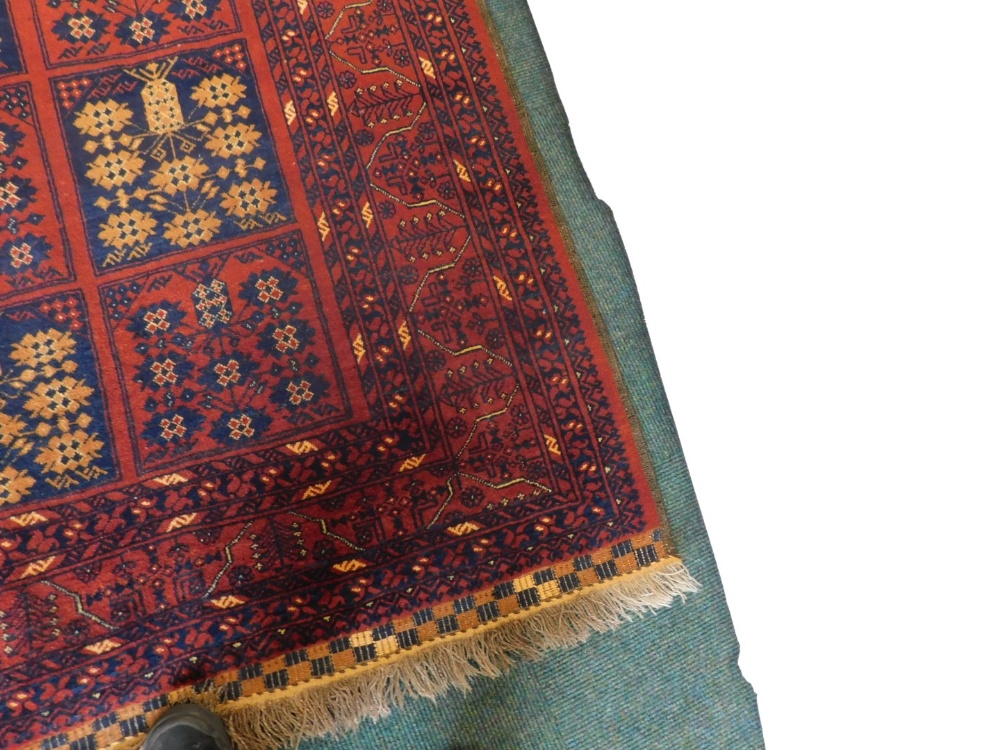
(337, 706)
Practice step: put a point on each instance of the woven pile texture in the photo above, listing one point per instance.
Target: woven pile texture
(304, 406)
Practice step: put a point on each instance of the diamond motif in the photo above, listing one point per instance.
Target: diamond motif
(223, 353)
(169, 156)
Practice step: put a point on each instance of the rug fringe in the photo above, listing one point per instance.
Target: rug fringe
(335, 707)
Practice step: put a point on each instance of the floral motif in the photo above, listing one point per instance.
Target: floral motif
(182, 161)
(226, 371)
(286, 338)
(156, 320)
(179, 175)
(192, 228)
(249, 199)
(174, 427)
(164, 370)
(53, 435)
(15, 484)
(142, 29)
(300, 392)
(115, 169)
(37, 350)
(219, 91)
(212, 303)
(58, 398)
(99, 29)
(128, 229)
(103, 118)
(80, 27)
(234, 139)
(15, 194)
(32, 245)
(233, 355)
(26, 253)
(268, 287)
(241, 426)
(194, 10)
(70, 453)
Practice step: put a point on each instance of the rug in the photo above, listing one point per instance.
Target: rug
(305, 406)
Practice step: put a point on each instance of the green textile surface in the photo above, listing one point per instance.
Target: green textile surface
(669, 680)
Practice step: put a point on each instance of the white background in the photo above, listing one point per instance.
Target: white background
(810, 196)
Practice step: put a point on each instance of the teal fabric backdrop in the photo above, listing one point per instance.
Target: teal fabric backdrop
(669, 680)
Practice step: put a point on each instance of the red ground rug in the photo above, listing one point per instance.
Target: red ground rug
(303, 408)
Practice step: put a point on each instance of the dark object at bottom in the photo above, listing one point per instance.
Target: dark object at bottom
(188, 727)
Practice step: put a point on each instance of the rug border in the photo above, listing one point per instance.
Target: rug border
(591, 299)
(617, 360)
(600, 251)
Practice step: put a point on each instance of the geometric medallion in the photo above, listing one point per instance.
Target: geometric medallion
(171, 154)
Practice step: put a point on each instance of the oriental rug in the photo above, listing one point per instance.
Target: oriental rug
(305, 406)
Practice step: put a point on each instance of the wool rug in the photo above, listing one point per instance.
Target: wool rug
(305, 406)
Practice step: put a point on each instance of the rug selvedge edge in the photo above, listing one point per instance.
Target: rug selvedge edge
(566, 235)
